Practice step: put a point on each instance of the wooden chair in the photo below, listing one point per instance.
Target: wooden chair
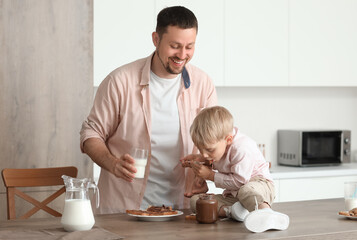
(36, 177)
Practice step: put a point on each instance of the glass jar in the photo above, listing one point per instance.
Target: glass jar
(206, 209)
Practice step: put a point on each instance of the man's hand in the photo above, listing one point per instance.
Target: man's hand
(124, 168)
(199, 185)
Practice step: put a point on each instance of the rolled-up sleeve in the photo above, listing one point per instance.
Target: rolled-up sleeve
(103, 118)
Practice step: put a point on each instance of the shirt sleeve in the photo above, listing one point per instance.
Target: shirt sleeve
(241, 166)
(103, 118)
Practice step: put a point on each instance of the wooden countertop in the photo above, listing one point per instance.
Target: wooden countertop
(317, 219)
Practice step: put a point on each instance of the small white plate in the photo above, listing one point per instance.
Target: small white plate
(350, 217)
(156, 218)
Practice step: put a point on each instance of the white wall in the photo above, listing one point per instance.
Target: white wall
(117, 32)
(260, 112)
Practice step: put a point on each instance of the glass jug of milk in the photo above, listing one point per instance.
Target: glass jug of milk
(77, 214)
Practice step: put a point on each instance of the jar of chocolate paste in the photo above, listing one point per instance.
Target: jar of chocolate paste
(206, 209)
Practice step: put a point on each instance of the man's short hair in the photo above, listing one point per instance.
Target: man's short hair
(175, 16)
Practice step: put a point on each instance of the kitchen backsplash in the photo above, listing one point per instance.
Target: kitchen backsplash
(260, 111)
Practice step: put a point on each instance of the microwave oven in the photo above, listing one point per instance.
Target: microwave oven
(314, 147)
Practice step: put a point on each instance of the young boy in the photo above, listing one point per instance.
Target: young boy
(240, 169)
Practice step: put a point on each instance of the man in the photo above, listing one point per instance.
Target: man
(150, 104)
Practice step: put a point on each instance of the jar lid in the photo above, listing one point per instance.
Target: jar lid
(206, 196)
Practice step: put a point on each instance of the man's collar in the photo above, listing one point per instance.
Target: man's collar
(186, 78)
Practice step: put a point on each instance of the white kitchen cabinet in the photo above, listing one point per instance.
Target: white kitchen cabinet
(209, 49)
(122, 33)
(322, 43)
(277, 190)
(256, 43)
(241, 43)
(301, 189)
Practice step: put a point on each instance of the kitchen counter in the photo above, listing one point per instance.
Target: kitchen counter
(300, 176)
(312, 220)
(288, 172)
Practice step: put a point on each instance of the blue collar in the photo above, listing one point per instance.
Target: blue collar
(186, 78)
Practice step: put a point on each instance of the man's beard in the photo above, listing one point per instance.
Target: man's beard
(168, 68)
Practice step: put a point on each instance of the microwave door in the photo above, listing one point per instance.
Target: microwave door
(321, 148)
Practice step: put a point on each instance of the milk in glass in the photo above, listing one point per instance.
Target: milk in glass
(350, 203)
(350, 195)
(140, 156)
(140, 164)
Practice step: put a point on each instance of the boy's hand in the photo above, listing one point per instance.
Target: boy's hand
(202, 171)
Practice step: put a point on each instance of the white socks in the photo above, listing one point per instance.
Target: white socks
(237, 212)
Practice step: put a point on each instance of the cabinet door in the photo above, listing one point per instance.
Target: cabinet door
(256, 43)
(209, 54)
(312, 188)
(122, 34)
(322, 42)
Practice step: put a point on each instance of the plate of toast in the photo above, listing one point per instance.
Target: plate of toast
(351, 214)
(155, 213)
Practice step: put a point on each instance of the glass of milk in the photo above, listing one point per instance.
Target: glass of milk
(350, 195)
(140, 156)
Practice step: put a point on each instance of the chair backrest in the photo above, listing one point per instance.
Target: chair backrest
(35, 177)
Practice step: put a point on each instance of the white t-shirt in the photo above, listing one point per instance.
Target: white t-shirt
(166, 178)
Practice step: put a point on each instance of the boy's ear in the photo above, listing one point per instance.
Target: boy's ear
(229, 139)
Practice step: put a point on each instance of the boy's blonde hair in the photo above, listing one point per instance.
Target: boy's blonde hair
(211, 125)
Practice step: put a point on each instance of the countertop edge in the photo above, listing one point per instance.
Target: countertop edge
(287, 172)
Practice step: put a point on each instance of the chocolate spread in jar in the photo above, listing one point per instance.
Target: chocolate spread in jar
(206, 209)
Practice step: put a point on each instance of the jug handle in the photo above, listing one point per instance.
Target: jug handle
(96, 192)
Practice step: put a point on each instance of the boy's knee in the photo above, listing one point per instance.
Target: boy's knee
(246, 196)
(245, 192)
